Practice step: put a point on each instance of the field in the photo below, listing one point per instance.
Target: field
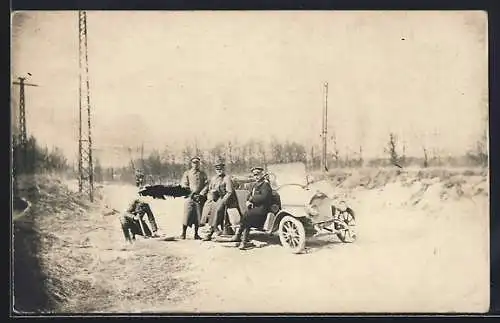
(423, 246)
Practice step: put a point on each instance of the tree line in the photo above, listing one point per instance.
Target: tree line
(167, 166)
(31, 158)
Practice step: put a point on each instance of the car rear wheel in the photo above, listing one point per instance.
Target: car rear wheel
(347, 233)
(292, 234)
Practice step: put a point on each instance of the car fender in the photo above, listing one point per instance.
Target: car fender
(293, 212)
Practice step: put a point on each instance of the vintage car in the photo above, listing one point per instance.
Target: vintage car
(300, 212)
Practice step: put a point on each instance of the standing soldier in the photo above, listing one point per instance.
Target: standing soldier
(194, 179)
(139, 177)
(220, 196)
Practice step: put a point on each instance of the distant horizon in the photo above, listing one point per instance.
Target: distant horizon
(125, 159)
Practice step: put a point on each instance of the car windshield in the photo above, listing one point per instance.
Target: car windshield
(289, 173)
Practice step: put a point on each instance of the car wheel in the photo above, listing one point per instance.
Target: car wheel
(348, 234)
(292, 234)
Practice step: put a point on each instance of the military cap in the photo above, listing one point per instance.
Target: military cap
(195, 159)
(257, 168)
(219, 162)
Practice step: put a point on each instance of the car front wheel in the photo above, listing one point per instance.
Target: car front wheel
(347, 232)
(292, 234)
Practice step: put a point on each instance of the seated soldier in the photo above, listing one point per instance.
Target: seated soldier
(258, 205)
(220, 196)
(132, 221)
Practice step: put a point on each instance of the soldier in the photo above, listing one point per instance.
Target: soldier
(220, 196)
(194, 179)
(258, 205)
(139, 177)
(132, 221)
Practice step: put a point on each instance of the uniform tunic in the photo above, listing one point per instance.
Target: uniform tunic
(261, 199)
(129, 222)
(195, 180)
(214, 209)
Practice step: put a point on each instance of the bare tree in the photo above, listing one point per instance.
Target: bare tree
(391, 149)
(403, 157)
(347, 160)
(312, 157)
(277, 151)
(229, 152)
(426, 157)
(479, 154)
(187, 154)
(361, 156)
(336, 153)
(98, 172)
(262, 153)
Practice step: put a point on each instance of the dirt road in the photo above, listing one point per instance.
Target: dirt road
(405, 260)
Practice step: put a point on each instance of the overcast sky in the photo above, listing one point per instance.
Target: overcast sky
(173, 77)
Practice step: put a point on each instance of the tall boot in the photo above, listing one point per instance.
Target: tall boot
(237, 236)
(125, 228)
(226, 226)
(244, 239)
(227, 230)
(126, 233)
(184, 229)
(209, 235)
(196, 236)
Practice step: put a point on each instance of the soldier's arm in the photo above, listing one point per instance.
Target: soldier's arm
(131, 207)
(205, 180)
(249, 188)
(185, 180)
(229, 189)
(204, 190)
(265, 193)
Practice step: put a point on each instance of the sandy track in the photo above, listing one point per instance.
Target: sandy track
(405, 260)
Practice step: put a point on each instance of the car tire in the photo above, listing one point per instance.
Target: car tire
(348, 235)
(292, 234)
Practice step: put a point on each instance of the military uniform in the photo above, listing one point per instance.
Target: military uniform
(220, 197)
(220, 193)
(259, 203)
(261, 196)
(130, 220)
(139, 178)
(196, 181)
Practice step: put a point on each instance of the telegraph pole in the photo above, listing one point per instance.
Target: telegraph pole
(23, 137)
(85, 166)
(19, 140)
(324, 165)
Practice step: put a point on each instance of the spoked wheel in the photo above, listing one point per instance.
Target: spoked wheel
(347, 231)
(292, 234)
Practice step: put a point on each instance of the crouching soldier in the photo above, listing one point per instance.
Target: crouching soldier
(132, 221)
(258, 205)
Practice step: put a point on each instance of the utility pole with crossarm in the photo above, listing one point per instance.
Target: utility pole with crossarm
(22, 137)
